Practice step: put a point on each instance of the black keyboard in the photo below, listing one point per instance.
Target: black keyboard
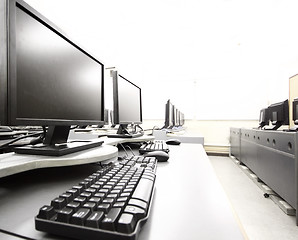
(156, 145)
(112, 203)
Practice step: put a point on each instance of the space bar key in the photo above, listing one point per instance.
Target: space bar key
(143, 190)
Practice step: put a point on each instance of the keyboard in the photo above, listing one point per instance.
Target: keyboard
(112, 203)
(156, 145)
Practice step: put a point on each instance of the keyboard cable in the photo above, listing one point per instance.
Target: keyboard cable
(16, 235)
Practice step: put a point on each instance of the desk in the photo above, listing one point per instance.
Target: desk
(183, 136)
(272, 156)
(199, 209)
(12, 163)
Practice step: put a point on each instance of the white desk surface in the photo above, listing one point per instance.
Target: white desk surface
(12, 163)
(184, 136)
(189, 202)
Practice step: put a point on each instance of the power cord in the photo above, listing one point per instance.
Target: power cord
(130, 150)
(124, 149)
(16, 235)
(7, 144)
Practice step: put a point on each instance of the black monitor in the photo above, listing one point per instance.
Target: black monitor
(295, 111)
(182, 120)
(174, 116)
(178, 118)
(264, 117)
(46, 79)
(169, 117)
(127, 110)
(279, 114)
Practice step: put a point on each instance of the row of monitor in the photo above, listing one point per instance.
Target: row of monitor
(173, 116)
(48, 80)
(278, 114)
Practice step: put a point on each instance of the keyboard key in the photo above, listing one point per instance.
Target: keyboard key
(74, 205)
(80, 200)
(126, 223)
(80, 216)
(94, 220)
(79, 188)
(95, 200)
(119, 204)
(90, 205)
(104, 207)
(143, 190)
(58, 203)
(74, 192)
(136, 211)
(109, 222)
(67, 196)
(138, 203)
(64, 214)
(46, 212)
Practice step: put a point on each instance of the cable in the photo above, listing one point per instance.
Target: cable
(123, 149)
(16, 235)
(131, 150)
(139, 127)
(5, 145)
(152, 129)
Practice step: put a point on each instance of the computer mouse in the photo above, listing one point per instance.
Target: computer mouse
(161, 156)
(173, 142)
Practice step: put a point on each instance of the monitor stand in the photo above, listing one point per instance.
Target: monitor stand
(124, 133)
(274, 127)
(55, 143)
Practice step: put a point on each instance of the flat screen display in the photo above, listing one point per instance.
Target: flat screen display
(56, 81)
(129, 102)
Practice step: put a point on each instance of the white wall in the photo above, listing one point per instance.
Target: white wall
(220, 59)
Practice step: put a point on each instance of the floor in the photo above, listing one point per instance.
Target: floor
(260, 217)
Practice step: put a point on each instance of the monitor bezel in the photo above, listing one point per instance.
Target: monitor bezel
(11, 79)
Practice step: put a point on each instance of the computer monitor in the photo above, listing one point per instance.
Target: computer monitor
(279, 114)
(295, 111)
(182, 120)
(174, 116)
(127, 105)
(264, 117)
(46, 79)
(178, 118)
(169, 117)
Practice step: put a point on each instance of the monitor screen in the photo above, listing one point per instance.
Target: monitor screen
(182, 120)
(279, 114)
(178, 118)
(127, 101)
(295, 111)
(56, 81)
(169, 118)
